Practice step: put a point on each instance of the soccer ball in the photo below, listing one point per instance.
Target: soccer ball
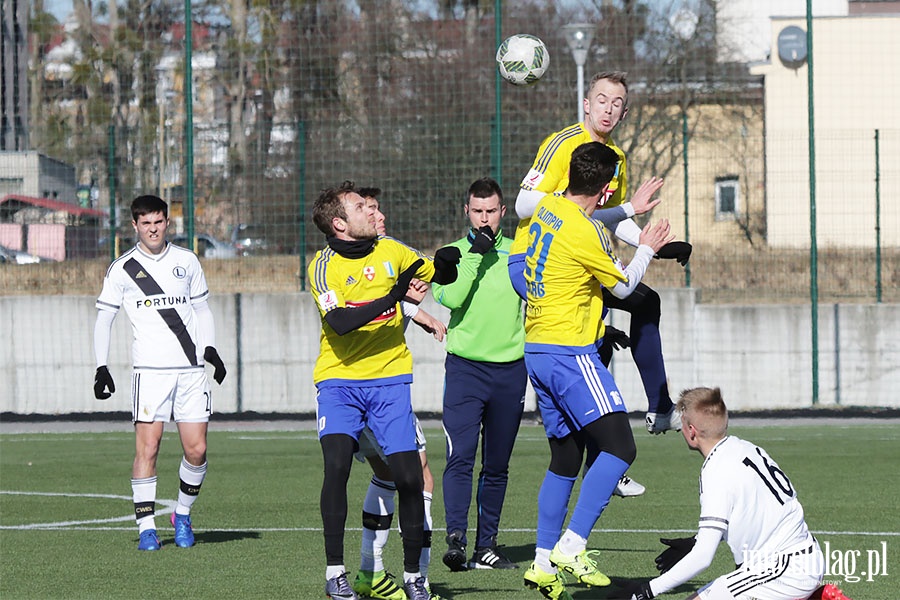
(522, 59)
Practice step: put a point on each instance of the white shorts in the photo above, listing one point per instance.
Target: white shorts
(790, 577)
(167, 395)
(369, 446)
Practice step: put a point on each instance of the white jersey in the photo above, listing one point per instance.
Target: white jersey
(744, 494)
(158, 293)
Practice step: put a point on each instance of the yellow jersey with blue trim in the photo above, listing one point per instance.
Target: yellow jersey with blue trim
(376, 352)
(569, 259)
(550, 174)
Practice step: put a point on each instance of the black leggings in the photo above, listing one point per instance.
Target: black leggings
(610, 433)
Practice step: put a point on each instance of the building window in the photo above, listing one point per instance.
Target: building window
(728, 198)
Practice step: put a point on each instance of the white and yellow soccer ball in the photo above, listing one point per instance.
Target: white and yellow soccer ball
(522, 59)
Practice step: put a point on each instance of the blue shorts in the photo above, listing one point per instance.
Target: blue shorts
(572, 390)
(385, 409)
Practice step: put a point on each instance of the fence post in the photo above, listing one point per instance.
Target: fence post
(684, 152)
(113, 235)
(301, 198)
(813, 245)
(877, 220)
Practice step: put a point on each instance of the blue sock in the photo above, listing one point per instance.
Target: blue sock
(553, 503)
(596, 489)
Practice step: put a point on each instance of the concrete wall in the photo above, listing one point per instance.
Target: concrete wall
(759, 355)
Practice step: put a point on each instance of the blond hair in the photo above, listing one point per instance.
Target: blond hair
(705, 409)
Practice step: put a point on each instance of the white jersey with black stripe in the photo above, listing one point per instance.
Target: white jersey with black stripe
(746, 495)
(158, 293)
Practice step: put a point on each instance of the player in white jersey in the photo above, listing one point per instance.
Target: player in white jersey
(164, 293)
(747, 500)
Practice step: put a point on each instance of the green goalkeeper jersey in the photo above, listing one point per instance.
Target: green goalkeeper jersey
(486, 318)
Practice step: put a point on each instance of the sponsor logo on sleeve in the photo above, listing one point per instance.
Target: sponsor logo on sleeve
(389, 268)
(531, 180)
(328, 300)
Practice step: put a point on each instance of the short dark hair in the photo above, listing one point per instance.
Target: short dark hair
(146, 204)
(369, 192)
(592, 166)
(329, 205)
(484, 188)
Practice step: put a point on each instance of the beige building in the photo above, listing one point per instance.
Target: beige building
(856, 84)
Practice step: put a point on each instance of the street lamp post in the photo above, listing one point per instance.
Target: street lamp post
(579, 36)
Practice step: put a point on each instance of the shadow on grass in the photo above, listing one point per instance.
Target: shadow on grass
(221, 537)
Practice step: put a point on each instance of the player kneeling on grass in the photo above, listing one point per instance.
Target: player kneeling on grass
(163, 290)
(749, 501)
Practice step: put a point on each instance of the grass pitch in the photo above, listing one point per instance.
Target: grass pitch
(67, 529)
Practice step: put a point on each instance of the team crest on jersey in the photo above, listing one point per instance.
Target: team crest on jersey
(389, 268)
(350, 280)
(369, 273)
(179, 272)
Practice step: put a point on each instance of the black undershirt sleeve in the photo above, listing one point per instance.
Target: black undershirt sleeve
(344, 320)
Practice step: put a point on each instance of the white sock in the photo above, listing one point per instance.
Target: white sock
(571, 543)
(143, 492)
(407, 576)
(191, 479)
(379, 501)
(425, 556)
(542, 560)
(332, 571)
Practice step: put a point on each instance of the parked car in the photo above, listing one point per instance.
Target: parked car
(17, 257)
(250, 239)
(207, 246)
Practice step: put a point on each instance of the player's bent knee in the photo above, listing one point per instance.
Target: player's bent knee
(407, 471)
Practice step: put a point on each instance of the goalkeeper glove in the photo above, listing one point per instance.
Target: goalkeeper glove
(103, 380)
(637, 590)
(445, 261)
(212, 357)
(616, 338)
(484, 240)
(680, 251)
(677, 549)
(400, 289)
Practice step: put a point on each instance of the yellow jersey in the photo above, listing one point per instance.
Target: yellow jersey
(568, 260)
(550, 174)
(377, 350)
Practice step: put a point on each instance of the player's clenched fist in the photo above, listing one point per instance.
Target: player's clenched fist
(103, 381)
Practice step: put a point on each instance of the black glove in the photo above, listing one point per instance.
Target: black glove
(445, 261)
(212, 357)
(680, 251)
(484, 240)
(636, 590)
(103, 380)
(398, 292)
(677, 549)
(616, 338)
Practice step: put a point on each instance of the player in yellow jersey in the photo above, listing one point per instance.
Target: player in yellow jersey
(364, 369)
(605, 105)
(569, 261)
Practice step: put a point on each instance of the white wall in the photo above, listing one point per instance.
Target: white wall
(744, 30)
(759, 355)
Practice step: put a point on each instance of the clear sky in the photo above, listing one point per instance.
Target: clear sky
(58, 8)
